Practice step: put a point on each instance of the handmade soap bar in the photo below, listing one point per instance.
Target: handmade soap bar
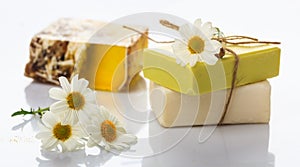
(249, 104)
(256, 63)
(108, 55)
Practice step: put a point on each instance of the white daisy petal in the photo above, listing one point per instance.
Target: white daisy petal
(121, 130)
(179, 45)
(120, 147)
(181, 53)
(51, 137)
(128, 138)
(213, 46)
(96, 137)
(43, 134)
(91, 143)
(74, 84)
(57, 94)
(178, 61)
(196, 35)
(49, 120)
(123, 145)
(70, 117)
(180, 48)
(107, 147)
(79, 132)
(86, 91)
(198, 23)
(82, 84)
(46, 139)
(108, 140)
(53, 146)
(209, 58)
(92, 129)
(186, 31)
(112, 118)
(90, 97)
(90, 108)
(64, 84)
(104, 113)
(208, 29)
(59, 107)
(71, 144)
(85, 103)
(199, 32)
(193, 60)
(48, 144)
(83, 118)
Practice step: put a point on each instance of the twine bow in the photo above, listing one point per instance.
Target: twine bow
(225, 40)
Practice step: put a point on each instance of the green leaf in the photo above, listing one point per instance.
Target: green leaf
(39, 111)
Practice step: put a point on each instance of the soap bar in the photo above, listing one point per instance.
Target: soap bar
(249, 104)
(107, 55)
(257, 63)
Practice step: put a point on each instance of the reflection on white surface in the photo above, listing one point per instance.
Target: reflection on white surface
(33, 121)
(19, 147)
(37, 95)
(61, 159)
(130, 108)
(232, 145)
(235, 145)
(70, 159)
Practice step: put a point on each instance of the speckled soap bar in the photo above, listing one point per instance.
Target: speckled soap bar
(105, 54)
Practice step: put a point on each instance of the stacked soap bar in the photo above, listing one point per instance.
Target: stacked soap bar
(256, 63)
(185, 96)
(108, 55)
(249, 104)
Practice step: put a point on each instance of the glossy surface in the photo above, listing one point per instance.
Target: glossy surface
(103, 53)
(274, 145)
(162, 69)
(249, 104)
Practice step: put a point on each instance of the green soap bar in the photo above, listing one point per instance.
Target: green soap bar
(257, 63)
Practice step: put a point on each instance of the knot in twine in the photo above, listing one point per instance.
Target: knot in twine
(225, 40)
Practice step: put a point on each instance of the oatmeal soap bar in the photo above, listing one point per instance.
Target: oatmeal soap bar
(107, 55)
(249, 104)
(257, 63)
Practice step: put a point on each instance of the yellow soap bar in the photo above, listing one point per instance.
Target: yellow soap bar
(249, 104)
(257, 63)
(106, 54)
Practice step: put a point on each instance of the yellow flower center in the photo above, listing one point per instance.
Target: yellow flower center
(75, 100)
(62, 132)
(196, 45)
(108, 131)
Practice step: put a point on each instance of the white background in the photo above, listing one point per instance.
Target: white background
(276, 144)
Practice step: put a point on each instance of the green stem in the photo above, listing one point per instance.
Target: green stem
(39, 111)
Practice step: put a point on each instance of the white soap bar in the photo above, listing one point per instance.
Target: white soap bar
(249, 104)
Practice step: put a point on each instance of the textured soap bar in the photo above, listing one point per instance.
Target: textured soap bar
(249, 104)
(106, 54)
(257, 63)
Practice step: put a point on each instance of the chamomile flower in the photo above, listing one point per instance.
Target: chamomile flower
(76, 101)
(107, 131)
(197, 44)
(53, 134)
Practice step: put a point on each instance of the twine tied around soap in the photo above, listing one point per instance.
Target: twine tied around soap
(224, 40)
